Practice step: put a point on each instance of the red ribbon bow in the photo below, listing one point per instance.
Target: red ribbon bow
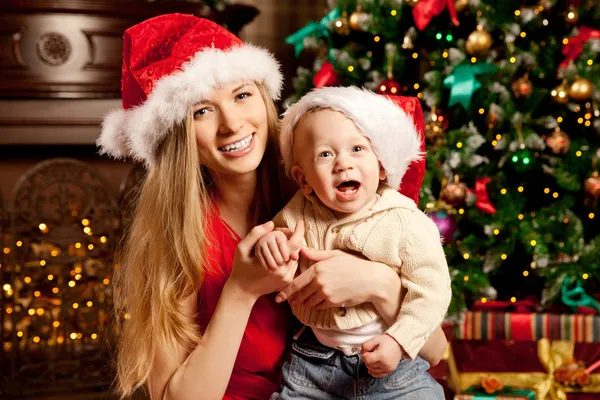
(575, 45)
(425, 10)
(483, 202)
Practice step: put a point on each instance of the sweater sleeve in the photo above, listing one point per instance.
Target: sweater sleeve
(426, 277)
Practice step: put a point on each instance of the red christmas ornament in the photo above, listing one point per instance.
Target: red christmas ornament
(522, 87)
(326, 76)
(389, 87)
(592, 185)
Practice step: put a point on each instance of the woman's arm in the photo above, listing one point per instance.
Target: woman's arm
(205, 372)
(434, 348)
(326, 285)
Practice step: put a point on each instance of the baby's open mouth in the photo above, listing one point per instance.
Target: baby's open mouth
(348, 187)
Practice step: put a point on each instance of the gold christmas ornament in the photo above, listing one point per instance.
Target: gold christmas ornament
(342, 25)
(592, 185)
(461, 5)
(479, 42)
(558, 141)
(522, 87)
(359, 19)
(454, 193)
(581, 90)
(572, 15)
(407, 42)
(410, 3)
(560, 94)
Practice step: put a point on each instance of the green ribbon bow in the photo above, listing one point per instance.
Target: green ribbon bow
(319, 29)
(463, 82)
(480, 394)
(577, 296)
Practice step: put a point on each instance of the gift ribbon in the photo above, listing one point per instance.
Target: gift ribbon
(425, 10)
(463, 82)
(552, 354)
(479, 394)
(577, 297)
(483, 202)
(574, 46)
(320, 29)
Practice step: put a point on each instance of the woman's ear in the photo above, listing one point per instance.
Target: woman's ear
(382, 174)
(300, 179)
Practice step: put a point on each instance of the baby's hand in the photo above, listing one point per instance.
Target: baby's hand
(381, 355)
(275, 249)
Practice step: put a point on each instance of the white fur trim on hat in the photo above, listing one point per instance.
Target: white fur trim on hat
(391, 131)
(140, 129)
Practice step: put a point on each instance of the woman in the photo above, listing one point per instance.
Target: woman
(198, 110)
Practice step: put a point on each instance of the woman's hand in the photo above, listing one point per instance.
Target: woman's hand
(339, 279)
(247, 272)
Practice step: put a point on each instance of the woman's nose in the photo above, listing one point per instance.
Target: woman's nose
(231, 121)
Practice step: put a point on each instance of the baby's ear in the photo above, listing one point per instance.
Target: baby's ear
(382, 174)
(300, 179)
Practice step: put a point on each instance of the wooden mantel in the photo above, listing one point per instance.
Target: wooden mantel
(60, 62)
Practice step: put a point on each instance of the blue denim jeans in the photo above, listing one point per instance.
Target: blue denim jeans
(314, 371)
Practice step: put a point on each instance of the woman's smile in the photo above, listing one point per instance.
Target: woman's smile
(239, 148)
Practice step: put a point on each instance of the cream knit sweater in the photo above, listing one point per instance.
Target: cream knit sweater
(394, 232)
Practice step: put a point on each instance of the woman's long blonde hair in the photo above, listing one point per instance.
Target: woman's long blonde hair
(163, 258)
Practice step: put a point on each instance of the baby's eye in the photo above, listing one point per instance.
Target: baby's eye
(356, 149)
(325, 154)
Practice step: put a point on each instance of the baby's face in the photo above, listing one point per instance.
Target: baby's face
(336, 162)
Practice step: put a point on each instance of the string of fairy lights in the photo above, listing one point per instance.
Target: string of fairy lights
(49, 322)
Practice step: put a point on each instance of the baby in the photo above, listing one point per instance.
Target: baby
(348, 149)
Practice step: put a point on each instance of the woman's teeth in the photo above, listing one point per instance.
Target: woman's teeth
(241, 145)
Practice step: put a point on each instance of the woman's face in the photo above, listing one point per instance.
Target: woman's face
(231, 129)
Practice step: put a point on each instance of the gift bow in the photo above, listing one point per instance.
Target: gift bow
(574, 46)
(320, 28)
(551, 354)
(463, 82)
(425, 10)
(577, 297)
(483, 202)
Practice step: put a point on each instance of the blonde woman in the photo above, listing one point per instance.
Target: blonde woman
(198, 110)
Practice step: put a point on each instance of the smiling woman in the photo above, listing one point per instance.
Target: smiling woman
(231, 129)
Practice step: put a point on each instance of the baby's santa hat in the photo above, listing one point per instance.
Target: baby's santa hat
(388, 122)
(171, 63)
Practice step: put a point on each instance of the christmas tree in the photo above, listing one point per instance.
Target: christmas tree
(510, 91)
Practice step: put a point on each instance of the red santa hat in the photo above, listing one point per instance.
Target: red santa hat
(394, 125)
(170, 63)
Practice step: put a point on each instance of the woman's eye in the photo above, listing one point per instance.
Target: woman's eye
(201, 112)
(244, 95)
(356, 149)
(325, 154)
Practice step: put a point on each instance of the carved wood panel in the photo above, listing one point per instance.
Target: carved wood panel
(72, 49)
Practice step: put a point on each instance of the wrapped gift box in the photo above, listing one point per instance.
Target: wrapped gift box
(524, 351)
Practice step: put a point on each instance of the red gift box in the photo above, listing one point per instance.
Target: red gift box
(525, 351)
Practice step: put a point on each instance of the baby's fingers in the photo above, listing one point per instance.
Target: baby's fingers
(284, 249)
(268, 257)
